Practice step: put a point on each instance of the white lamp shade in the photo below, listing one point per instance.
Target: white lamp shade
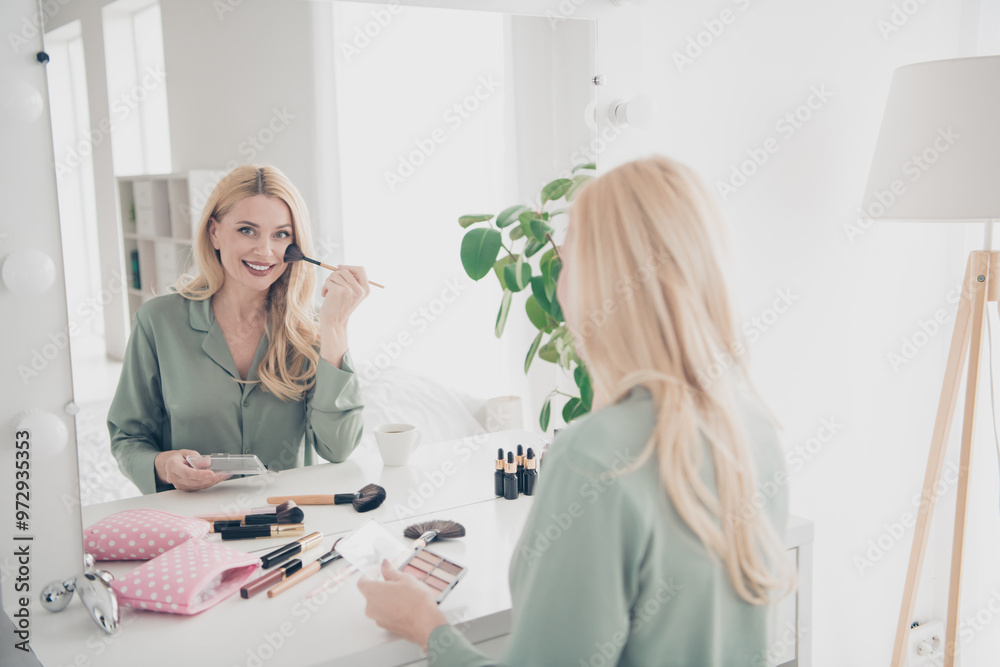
(938, 150)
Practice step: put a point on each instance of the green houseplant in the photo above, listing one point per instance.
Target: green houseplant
(508, 244)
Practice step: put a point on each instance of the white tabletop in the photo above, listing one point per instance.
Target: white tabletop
(447, 480)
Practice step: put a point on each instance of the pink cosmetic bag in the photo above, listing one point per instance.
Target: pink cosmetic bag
(140, 534)
(188, 579)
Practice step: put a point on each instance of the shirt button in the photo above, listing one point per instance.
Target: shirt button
(246, 402)
(249, 450)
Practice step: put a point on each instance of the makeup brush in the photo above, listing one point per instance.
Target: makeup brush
(426, 532)
(304, 573)
(293, 253)
(292, 514)
(368, 498)
(269, 510)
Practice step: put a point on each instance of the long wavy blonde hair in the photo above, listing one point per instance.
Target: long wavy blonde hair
(648, 242)
(288, 369)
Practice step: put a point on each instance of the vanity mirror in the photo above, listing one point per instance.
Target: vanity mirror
(391, 120)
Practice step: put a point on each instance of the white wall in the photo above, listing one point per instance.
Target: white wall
(826, 357)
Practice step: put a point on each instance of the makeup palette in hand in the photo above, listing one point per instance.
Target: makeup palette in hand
(435, 571)
(234, 464)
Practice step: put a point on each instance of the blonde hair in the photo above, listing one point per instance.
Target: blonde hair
(288, 369)
(651, 308)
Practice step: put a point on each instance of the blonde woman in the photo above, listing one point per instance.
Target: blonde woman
(646, 543)
(237, 360)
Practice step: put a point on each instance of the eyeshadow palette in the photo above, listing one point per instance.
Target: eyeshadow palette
(433, 570)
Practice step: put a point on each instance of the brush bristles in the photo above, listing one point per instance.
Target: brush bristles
(293, 514)
(447, 530)
(293, 253)
(372, 495)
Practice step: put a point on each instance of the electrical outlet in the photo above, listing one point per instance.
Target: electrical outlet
(926, 647)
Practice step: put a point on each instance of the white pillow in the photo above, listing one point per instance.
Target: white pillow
(439, 412)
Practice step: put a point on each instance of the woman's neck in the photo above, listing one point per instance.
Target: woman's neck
(249, 310)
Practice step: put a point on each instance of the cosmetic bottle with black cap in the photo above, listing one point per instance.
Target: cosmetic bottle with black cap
(498, 473)
(530, 473)
(519, 460)
(510, 478)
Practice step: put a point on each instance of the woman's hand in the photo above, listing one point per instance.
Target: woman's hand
(172, 468)
(342, 292)
(402, 605)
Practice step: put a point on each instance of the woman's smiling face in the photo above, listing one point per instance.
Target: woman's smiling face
(254, 233)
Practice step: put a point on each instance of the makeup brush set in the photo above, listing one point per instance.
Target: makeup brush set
(515, 474)
(364, 549)
(284, 518)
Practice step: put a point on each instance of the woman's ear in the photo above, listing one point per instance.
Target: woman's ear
(212, 231)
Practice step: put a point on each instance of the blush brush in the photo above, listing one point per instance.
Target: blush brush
(368, 498)
(293, 253)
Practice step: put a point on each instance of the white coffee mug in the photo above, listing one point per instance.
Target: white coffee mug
(396, 442)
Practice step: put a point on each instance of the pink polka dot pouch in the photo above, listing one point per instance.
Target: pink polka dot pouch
(188, 579)
(140, 534)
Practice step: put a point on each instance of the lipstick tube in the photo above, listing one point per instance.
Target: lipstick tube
(252, 532)
(261, 584)
(280, 554)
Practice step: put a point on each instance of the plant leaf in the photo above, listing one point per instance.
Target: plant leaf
(541, 319)
(543, 418)
(467, 220)
(587, 165)
(548, 352)
(539, 228)
(533, 246)
(516, 233)
(509, 215)
(579, 181)
(502, 314)
(514, 279)
(532, 350)
(582, 378)
(498, 269)
(556, 189)
(480, 248)
(551, 306)
(570, 409)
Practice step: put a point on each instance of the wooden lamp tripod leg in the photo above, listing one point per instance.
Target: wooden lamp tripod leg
(972, 290)
(979, 314)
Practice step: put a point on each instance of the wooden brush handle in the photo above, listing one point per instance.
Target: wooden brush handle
(303, 500)
(306, 572)
(333, 268)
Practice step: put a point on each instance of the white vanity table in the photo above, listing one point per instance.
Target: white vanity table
(448, 480)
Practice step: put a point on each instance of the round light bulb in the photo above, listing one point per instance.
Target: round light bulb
(20, 102)
(27, 272)
(47, 432)
(638, 112)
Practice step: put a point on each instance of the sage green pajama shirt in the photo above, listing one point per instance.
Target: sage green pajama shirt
(607, 573)
(178, 390)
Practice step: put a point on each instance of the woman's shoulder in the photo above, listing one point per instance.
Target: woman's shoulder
(164, 310)
(610, 438)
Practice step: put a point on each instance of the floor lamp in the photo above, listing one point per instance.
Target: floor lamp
(937, 159)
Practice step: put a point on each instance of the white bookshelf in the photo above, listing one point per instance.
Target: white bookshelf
(158, 214)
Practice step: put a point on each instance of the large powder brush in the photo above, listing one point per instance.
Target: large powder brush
(293, 253)
(368, 498)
